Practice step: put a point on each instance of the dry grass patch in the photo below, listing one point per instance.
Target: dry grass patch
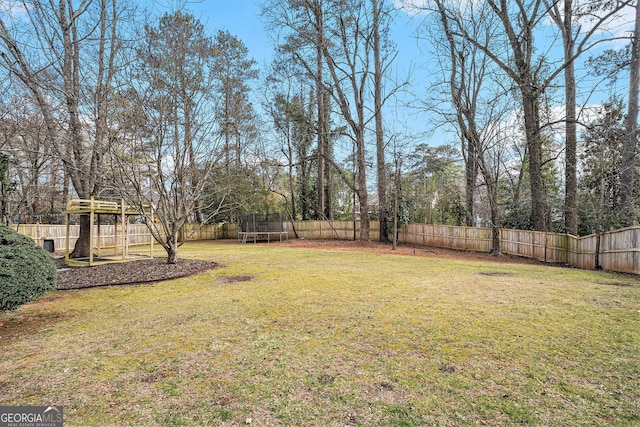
(327, 337)
(234, 279)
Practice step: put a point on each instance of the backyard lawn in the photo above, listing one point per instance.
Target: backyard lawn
(281, 335)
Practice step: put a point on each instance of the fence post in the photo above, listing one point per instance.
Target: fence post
(636, 254)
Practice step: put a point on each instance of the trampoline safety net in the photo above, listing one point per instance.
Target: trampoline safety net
(253, 223)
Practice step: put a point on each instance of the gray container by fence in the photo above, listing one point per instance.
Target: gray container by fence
(48, 244)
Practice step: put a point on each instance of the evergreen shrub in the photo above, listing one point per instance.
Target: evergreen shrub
(26, 270)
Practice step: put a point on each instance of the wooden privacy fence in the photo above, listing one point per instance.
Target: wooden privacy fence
(543, 246)
(221, 231)
(318, 230)
(446, 236)
(619, 250)
(138, 234)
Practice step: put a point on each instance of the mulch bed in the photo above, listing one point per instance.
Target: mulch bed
(127, 273)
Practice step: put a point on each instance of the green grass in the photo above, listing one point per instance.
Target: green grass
(333, 338)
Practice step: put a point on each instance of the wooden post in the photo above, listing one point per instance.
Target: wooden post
(125, 230)
(151, 239)
(91, 233)
(125, 249)
(99, 237)
(115, 235)
(66, 239)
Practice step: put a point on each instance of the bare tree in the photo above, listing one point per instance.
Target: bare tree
(565, 22)
(290, 102)
(510, 25)
(630, 149)
(511, 46)
(348, 62)
(166, 150)
(378, 83)
(335, 42)
(467, 68)
(64, 53)
(32, 154)
(39, 176)
(299, 31)
(478, 113)
(384, 54)
(568, 21)
(317, 13)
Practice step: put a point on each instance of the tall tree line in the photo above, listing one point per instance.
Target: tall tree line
(64, 54)
(502, 76)
(162, 112)
(343, 48)
(123, 107)
(506, 34)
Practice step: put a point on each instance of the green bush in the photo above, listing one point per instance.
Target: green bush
(26, 270)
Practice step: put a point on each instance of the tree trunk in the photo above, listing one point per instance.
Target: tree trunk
(571, 159)
(329, 189)
(495, 231)
(629, 151)
(65, 188)
(534, 145)
(328, 153)
(171, 248)
(82, 248)
(4, 219)
(571, 181)
(292, 183)
(380, 160)
(599, 216)
(492, 190)
(362, 188)
(171, 244)
(321, 131)
(471, 176)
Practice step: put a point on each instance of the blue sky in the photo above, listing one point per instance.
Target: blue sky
(242, 19)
